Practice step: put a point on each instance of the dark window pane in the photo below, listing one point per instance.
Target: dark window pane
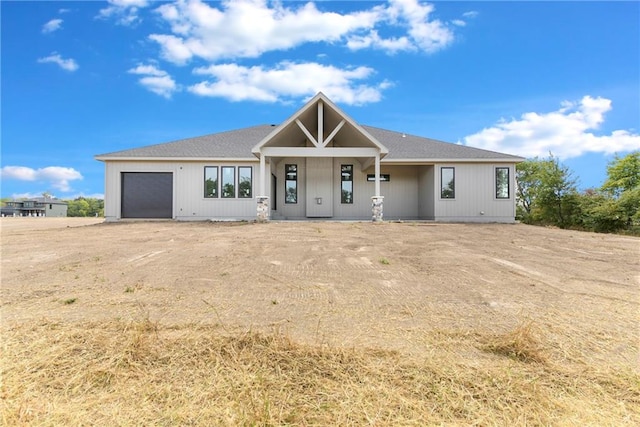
(210, 181)
(448, 183)
(228, 182)
(346, 194)
(291, 184)
(244, 182)
(502, 183)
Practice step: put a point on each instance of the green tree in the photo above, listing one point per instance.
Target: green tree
(546, 192)
(623, 174)
(85, 207)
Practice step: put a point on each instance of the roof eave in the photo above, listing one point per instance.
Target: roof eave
(454, 160)
(183, 159)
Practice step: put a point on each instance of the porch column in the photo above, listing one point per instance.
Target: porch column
(377, 200)
(263, 209)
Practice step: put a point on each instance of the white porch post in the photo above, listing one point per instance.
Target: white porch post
(263, 168)
(263, 209)
(377, 171)
(377, 200)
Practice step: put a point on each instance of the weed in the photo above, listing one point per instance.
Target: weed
(129, 290)
(69, 301)
(384, 261)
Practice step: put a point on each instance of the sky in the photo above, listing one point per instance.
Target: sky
(525, 78)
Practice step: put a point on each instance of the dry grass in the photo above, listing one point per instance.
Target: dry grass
(140, 373)
(522, 343)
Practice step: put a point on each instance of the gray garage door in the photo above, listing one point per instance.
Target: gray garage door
(147, 195)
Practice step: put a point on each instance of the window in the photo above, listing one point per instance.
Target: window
(291, 184)
(228, 182)
(244, 182)
(447, 183)
(210, 181)
(346, 174)
(502, 183)
(384, 177)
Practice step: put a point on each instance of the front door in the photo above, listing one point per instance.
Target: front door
(319, 187)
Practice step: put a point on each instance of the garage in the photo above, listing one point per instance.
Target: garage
(147, 195)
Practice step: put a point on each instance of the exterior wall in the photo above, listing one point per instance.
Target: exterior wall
(475, 199)
(55, 209)
(426, 179)
(413, 192)
(189, 202)
(290, 210)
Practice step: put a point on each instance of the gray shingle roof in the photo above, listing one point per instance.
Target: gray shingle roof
(237, 144)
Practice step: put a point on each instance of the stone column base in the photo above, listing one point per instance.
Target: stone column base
(377, 208)
(263, 208)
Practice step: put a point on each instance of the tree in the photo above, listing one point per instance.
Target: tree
(85, 207)
(546, 192)
(623, 174)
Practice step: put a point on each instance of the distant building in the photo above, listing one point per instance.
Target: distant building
(39, 206)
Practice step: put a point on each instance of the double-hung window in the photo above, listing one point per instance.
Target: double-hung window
(228, 182)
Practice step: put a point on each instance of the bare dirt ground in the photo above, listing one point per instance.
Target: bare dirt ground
(392, 285)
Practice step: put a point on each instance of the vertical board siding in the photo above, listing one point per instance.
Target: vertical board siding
(189, 202)
(426, 187)
(474, 195)
(412, 193)
(290, 210)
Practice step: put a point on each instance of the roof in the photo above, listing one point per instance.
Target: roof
(237, 144)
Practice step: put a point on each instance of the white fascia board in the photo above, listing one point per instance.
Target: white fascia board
(320, 152)
(432, 161)
(176, 159)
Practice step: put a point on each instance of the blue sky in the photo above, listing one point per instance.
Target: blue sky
(525, 78)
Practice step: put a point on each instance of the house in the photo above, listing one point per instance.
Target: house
(319, 163)
(39, 206)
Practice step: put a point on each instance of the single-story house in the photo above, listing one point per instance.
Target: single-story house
(39, 206)
(318, 163)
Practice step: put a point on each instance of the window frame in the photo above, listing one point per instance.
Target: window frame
(233, 194)
(384, 177)
(508, 182)
(217, 183)
(343, 180)
(452, 180)
(287, 171)
(240, 195)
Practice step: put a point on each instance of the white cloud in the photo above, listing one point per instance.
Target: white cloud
(65, 64)
(51, 26)
(57, 176)
(459, 23)
(470, 14)
(249, 28)
(125, 11)
(63, 10)
(288, 80)
(155, 79)
(566, 132)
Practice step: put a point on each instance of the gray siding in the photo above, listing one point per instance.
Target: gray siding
(189, 202)
(426, 184)
(475, 199)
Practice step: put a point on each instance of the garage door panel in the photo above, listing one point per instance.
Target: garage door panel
(147, 195)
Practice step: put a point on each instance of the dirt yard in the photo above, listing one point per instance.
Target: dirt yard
(392, 285)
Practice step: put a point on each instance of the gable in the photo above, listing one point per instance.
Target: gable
(320, 123)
